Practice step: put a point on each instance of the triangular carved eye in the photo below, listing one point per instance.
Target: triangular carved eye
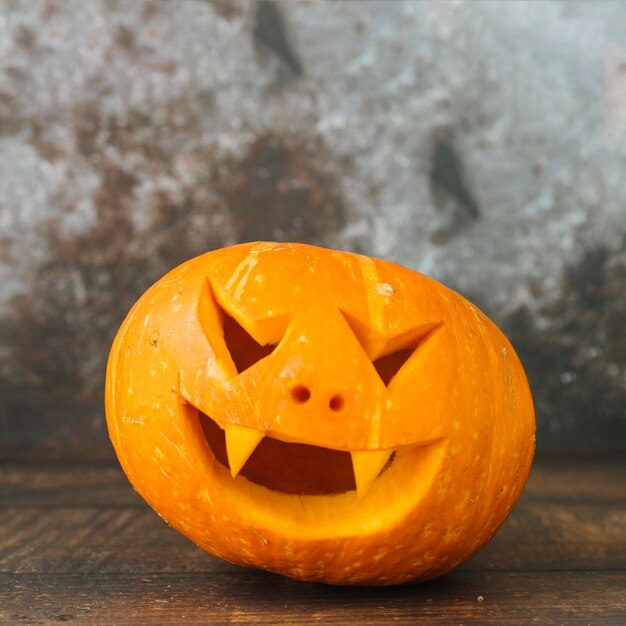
(244, 350)
(395, 351)
(388, 366)
(233, 345)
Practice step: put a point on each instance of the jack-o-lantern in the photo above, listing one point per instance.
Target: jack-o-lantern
(320, 414)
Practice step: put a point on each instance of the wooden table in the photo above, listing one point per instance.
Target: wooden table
(78, 545)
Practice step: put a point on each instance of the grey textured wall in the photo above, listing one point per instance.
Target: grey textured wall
(481, 143)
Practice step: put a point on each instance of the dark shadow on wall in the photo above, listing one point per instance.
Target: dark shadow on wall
(575, 359)
(58, 333)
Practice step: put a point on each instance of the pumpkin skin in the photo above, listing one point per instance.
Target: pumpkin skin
(364, 360)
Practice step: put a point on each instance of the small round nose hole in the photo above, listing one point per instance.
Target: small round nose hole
(336, 403)
(301, 394)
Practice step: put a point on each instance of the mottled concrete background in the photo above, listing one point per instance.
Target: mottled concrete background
(482, 143)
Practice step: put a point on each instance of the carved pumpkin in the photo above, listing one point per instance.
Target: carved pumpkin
(320, 414)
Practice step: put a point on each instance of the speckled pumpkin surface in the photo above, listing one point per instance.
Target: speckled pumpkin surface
(320, 414)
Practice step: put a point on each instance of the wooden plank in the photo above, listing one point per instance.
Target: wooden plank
(541, 536)
(598, 476)
(554, 479)
(52, 485)
(536, 537)
(94, 540)
(62, 519)
(71, 453)
(78, 545)
(247, 596)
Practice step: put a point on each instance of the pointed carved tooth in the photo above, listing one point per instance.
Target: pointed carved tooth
(240, 444)
(366, 466)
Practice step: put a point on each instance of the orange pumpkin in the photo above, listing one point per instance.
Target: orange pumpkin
(320, 414)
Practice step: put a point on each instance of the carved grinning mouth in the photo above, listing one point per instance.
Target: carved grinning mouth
(293, 468)
(301, 488)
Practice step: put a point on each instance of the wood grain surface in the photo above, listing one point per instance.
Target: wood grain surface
(78, 545)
